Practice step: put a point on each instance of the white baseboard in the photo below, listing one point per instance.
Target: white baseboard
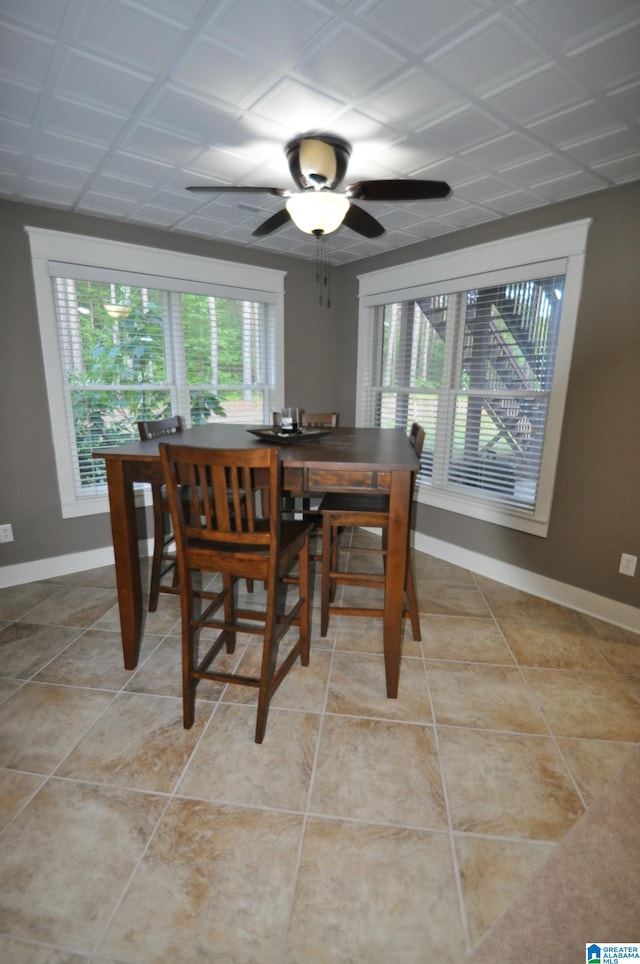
(620, 614)
(60, 565)
(55, 566)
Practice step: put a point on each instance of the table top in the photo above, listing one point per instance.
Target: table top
(385, 448)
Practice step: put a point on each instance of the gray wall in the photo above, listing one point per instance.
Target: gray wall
(596, 505)
(596, 508)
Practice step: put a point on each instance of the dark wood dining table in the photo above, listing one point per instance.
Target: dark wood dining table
(343, 460)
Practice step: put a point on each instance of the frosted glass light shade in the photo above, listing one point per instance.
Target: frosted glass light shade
(118, 311)
(317, 212)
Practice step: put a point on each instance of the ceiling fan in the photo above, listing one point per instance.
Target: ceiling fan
(318, 163)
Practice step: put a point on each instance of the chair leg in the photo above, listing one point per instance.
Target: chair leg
(159, 536)
(189, 651)
(229, 610)
(325, 585)
(269, 654)
(304, 588)
(412, 602)
(269, 668)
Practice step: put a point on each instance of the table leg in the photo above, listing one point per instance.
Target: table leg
(127, 559)
(398, 540)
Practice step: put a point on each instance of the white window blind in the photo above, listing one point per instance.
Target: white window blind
(480, 361)
(121, 346)
(132, 352)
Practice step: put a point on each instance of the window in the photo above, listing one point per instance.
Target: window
(132, 333)
(476, 347)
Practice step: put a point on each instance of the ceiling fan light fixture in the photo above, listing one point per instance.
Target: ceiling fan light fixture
(317, 212)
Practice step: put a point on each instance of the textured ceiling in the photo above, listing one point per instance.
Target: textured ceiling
(112, 107)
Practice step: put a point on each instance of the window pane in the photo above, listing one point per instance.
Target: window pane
(238, 407)
(224, 345)
(511, 334)
(412, 350)
(497, 446)
(110, 334)
(475, 368)
(107, 417)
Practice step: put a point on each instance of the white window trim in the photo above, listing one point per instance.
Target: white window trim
(56, 246)
(402, 282)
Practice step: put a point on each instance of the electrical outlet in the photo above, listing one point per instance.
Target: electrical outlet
(6, 533)
(627, 564)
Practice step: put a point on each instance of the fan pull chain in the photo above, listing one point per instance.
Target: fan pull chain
(323, 269)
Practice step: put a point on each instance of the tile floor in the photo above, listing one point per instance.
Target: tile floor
(362, 830)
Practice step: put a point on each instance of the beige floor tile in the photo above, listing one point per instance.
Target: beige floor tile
(452, 599)
(467, 638)
(429, 569)
(161, 673)
(374, 895)
(489, 697)
(40, 724)
(492, 873)
(364, 634)
(139, 742)
(26, 647)
(21, 952)
(620, 649)
(165, 620)
(73, 606)
(214, 885)
(584, 705)
(363, 773)
(507, 785)
(101, 578)
(554, 647)
(593, 763)
(228, 766)
(7, 687)
(66, 859)
(94, 660)
(514, 605)
(16, 602)
(305, 687)
(632, 684)
(15, 790)
(249, 662)
(358, 688)
(361, 597)
(599, 631)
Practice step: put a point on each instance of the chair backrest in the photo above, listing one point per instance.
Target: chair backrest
(233, 499)
(416, 437)
(319, 420)
(156, 428)
(277, 417)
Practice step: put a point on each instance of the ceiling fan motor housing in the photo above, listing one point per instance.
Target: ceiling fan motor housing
(318, 160)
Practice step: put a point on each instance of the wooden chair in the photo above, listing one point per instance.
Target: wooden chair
(312, 420)
(340, 511)
(315, 420)
(221, 529)
(163, 559)
(319, 419)
(303, 505)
